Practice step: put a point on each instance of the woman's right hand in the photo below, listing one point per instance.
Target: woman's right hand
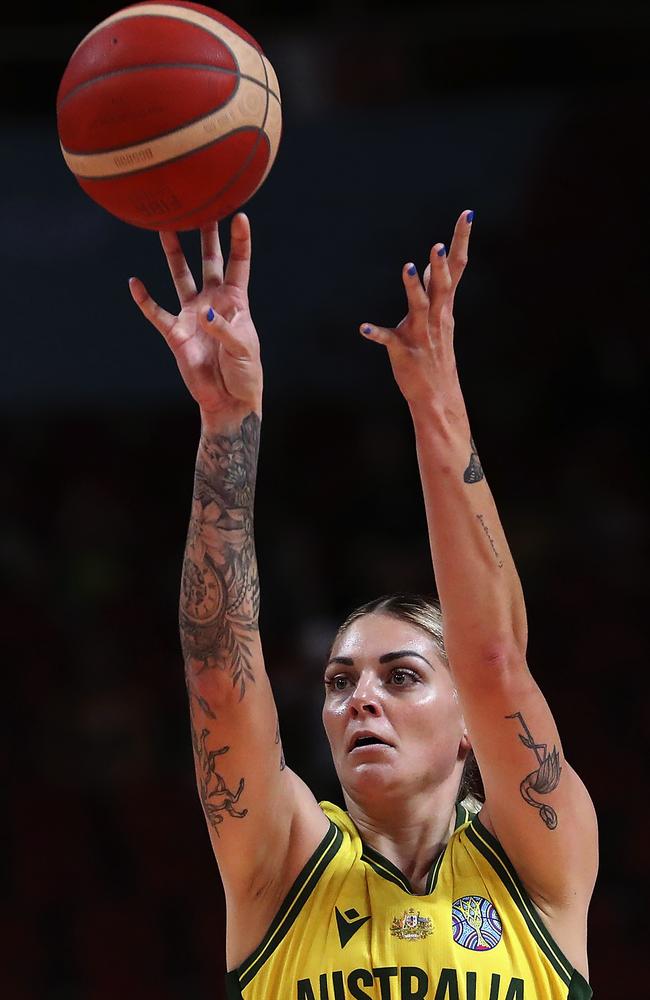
(213, 337)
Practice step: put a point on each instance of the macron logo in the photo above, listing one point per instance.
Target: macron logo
(348, 924)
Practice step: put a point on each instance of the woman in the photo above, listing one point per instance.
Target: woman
(408, 893)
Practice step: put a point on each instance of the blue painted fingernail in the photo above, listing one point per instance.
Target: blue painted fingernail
(442, 251)
(210, 314)
(367, 329)
(469, 217)
(411, 269)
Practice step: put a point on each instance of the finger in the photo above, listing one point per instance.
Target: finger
(439, 280)
(239, 259)
(379, 333)
(161, 319)
(220, 329)
(458, 251)
(416, 296)
(180, 272)
(211, 255)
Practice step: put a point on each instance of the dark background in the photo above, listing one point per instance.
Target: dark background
(397, 117)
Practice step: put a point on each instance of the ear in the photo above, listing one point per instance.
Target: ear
(465, 745)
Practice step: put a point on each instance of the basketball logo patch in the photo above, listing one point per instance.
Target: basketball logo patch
(475, 923)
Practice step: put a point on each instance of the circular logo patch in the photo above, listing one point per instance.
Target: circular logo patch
(475, 923)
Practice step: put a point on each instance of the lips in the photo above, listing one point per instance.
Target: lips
(366, 738)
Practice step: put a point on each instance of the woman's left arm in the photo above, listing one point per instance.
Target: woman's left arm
(535, 803)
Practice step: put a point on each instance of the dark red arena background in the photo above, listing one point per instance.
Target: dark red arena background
(396, 117)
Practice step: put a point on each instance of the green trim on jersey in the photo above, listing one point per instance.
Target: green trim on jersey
(492, 850)
(579, 988)
(391, 872)
(385, 868)
(294, 901)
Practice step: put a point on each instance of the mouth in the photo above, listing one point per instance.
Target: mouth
(364, 741)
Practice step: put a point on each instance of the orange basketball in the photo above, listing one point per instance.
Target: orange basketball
(169, 115)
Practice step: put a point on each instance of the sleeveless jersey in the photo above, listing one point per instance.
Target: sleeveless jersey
(350, 928)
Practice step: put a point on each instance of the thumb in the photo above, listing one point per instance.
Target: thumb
(218, 327)
(379, 333)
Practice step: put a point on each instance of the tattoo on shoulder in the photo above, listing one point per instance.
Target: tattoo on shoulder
(544, 778)
(219, 603)
(473, 473)
(216, 797)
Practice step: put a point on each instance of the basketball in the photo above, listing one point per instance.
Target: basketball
(169, 115)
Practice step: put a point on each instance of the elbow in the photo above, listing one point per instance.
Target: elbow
(492, 661)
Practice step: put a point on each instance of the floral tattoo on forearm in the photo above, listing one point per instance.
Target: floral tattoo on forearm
(219, 603)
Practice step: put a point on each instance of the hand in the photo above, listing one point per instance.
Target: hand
(421, 347)
(218, 357)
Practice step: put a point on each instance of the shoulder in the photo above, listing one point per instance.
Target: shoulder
(562, 925)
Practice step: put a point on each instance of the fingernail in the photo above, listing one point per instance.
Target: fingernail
(210, 314)
(366, 329)
(442, 251)
(469, 217)
(411, 269)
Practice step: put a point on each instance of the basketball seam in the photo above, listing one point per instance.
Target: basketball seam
(186, 215)
(138, 69)
(179, 128)
(220, 192)
(173, 159)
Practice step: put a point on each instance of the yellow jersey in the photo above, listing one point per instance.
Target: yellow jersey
(351, 928)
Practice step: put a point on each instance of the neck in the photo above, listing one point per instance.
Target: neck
(412, 832)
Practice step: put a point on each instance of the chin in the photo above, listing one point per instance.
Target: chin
(371, 779)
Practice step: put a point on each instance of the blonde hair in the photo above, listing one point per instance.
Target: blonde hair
(426, 614)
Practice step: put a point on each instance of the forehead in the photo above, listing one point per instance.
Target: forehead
(373, 635)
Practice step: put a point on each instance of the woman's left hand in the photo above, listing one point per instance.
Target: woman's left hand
(421, 347)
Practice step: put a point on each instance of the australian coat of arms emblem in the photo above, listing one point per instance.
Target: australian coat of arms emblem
(411, 926)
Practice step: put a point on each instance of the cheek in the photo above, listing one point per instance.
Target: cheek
(332, 716)
(434, 714)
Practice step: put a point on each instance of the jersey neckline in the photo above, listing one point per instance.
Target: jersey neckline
(391, 873)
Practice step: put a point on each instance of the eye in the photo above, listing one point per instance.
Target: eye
(338, 683)
(401, 677)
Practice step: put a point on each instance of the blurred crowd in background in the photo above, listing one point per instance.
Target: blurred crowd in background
(111, 887)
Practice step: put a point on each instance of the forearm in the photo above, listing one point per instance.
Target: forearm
(478, 585)
(219, 599)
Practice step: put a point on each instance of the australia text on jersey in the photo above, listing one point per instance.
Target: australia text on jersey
(408, 982)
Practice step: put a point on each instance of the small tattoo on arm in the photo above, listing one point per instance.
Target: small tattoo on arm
(490, 540)
(473, 473)
(278, 741)
(544, 778)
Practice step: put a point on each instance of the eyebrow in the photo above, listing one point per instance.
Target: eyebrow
(399, 654)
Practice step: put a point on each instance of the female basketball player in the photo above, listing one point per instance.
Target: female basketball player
(409, 893)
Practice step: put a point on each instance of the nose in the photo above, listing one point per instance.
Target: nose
(365, 699)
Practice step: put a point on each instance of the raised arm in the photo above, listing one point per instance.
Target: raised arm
(535, 803)
(262, 820)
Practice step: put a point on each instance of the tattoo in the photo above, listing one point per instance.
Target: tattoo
(473, 473)
(215, 795)
(209, 782)
(219, 604)
(544, 778)
(277, 740)
(490, 539)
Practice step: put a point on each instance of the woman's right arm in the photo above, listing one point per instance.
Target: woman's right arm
(263, 821)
